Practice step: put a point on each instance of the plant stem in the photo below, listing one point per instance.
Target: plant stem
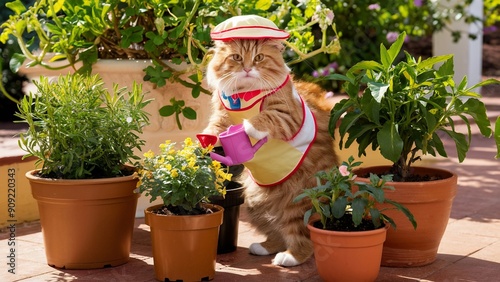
(3, 90)
(177, 119)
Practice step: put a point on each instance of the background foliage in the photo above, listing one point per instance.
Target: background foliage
(363, 25)
(11, 81)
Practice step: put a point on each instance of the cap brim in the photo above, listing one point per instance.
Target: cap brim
(250, 32)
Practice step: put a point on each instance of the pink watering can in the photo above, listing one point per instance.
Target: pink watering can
(236, 144)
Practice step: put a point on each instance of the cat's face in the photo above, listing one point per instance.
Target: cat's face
(244, 65)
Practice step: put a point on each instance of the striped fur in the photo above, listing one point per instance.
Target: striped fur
(243, 65)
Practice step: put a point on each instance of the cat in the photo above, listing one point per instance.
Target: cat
(240, 70)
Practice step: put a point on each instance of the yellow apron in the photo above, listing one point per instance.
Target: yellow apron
(277, 159)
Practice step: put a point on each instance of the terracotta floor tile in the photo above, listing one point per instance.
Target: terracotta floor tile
(468, 269)
(24, 269)
(490, 253)
(460, 244)
(390, 274)
(469, 251)
(477, 228)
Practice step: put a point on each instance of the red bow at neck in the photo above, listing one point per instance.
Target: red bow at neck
(248, 95)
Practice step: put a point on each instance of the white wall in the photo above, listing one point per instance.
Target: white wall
(468, 53)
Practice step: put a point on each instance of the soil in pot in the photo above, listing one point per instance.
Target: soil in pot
(345, 224)
(96, 174)
(178, 210)
(414, 177)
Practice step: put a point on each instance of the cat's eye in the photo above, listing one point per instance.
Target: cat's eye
(259, 57)
(237, 57)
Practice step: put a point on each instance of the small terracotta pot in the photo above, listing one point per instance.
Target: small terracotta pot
(430, 203)
(86, 223)
(184, 246)
(347, 256)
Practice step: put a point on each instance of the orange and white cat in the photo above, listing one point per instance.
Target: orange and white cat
(252, 85)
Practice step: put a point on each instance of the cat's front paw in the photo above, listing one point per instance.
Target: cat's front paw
(285, 259)
(257, 249)
(252, 132)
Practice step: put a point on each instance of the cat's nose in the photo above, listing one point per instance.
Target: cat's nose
(247, 70)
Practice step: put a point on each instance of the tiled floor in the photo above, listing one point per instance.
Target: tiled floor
(469, 251)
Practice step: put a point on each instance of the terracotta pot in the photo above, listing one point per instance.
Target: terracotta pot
(430, 202)
(185, 246)
(347, 256)
(86, 223)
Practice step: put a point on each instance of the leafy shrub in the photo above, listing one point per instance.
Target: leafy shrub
(365, 24)
(182, 178)
(77, 129)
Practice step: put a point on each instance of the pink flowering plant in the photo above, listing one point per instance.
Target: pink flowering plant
(183, 178)
(344, 204)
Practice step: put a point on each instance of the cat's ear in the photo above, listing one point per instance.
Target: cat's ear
(278, 44)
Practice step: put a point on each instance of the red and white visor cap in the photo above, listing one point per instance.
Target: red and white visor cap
(247, 27)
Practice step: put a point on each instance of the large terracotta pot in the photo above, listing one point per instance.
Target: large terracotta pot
(430, 202)
(347, 256)
(184, 246)
(86, 223)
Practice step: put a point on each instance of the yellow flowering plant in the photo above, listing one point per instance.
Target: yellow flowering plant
(183, 178)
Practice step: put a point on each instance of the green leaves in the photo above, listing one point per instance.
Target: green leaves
(181, 177)
(337, 195)
(497, 136)
(263, 5)
(404, 105)
(132, 35)
(157, 74)
(178, 107)
(16, 6)
(78, 129)
(178, 32)
(387, 57)
(391, 144)
(378, 90)
(16, 62)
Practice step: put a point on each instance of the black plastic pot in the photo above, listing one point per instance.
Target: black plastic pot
(228, 234)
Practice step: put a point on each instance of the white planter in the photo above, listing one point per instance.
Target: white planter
(124, 73)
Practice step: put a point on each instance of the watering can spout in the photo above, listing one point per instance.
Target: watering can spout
(222, 159)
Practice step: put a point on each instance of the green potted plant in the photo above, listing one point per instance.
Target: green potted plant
(169, 38)
(404, 110)
(84, 137)
(351, 228)
(185, 227)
